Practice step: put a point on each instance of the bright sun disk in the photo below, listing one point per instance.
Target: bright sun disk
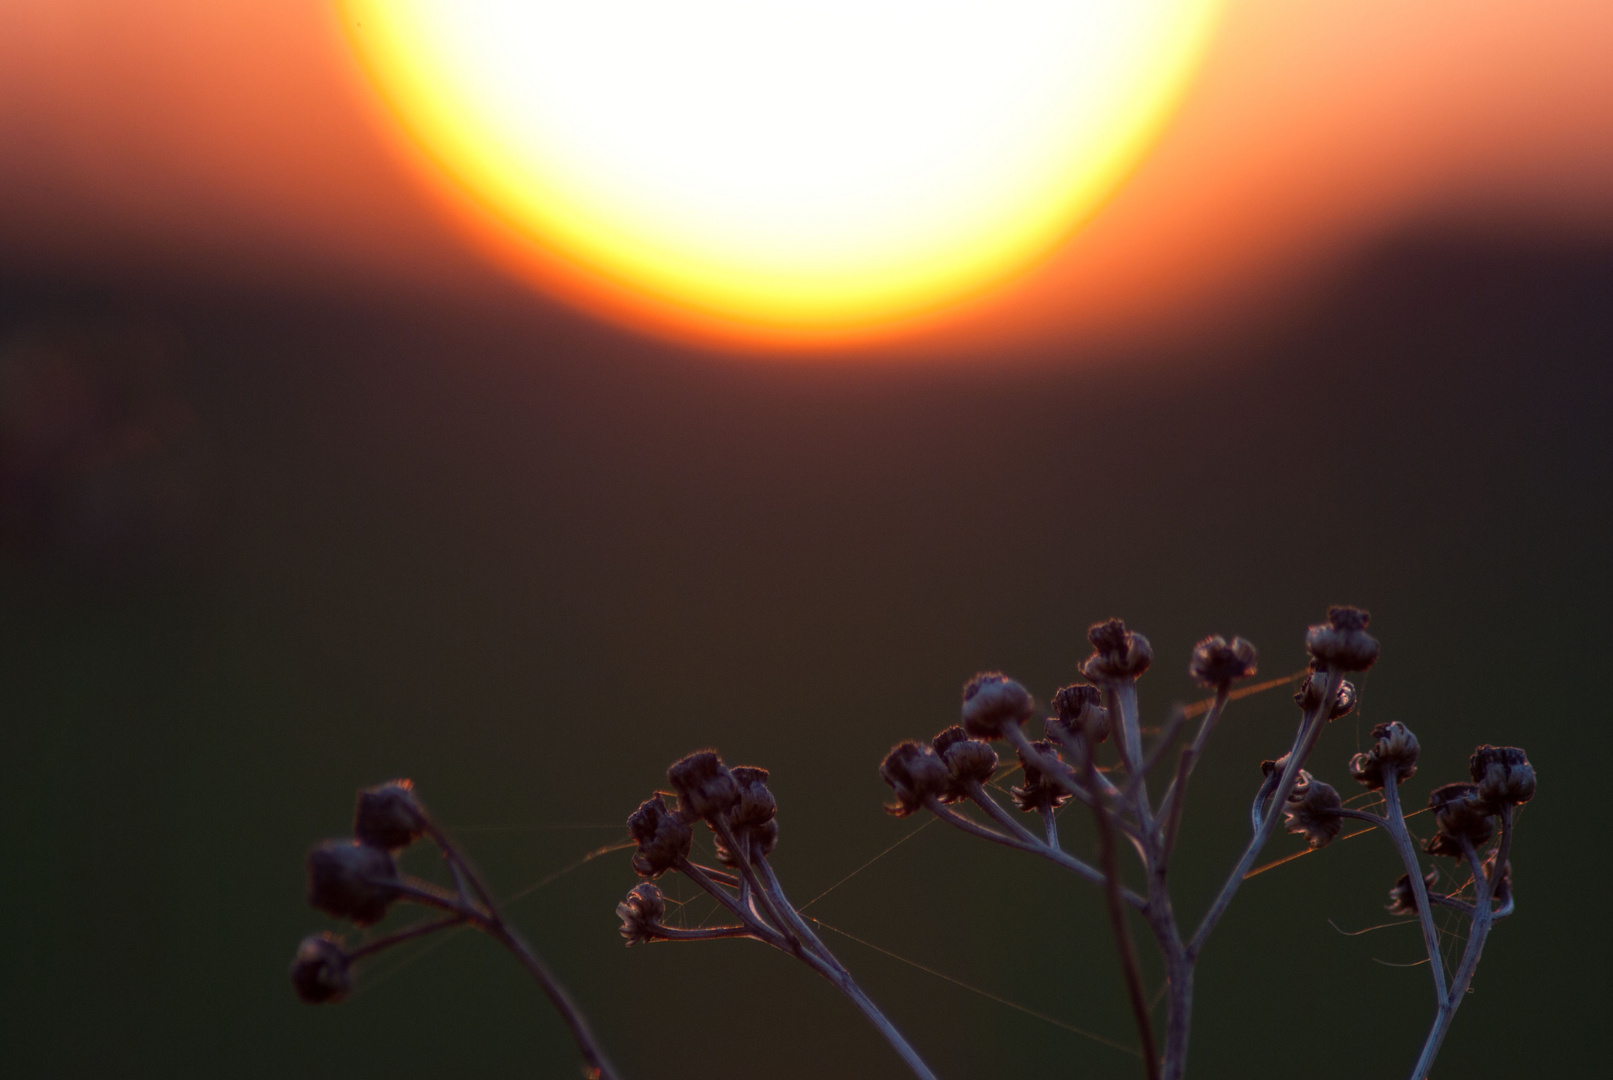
(776, 167)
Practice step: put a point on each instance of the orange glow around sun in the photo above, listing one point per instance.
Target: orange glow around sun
(780, 173)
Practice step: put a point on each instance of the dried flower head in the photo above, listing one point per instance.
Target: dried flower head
(1343, 640)
(915, 773)
(662, 836)
(1217, 661)
(320, 972)
(704, 785)
(1313, 809)
(756, 804)
(352, 881)
(1118, 653)
(1503, 774)
(1403, 899)
(641, 913)
(1039, 790)
(1308, 697)
(388, 816)
(968, 761)
(991, 702)
(1078, 711)
(1395, 746)
(1460, 813)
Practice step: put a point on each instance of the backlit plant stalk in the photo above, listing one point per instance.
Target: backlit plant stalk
(953, 771)
(358, 880)
(952, 777)
(739, 809)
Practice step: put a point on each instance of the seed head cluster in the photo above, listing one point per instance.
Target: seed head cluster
(1092, 753)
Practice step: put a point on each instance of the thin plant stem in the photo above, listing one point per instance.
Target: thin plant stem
(1032, 845)
(1257, 811)
(1177, 791)
(461, 867)
(1004, 817)
(832, 969)
(426, 894)
(1050, 822)
(596, 1066)
(721, 877)
(757, 892)
(1171, 808)
(1167, 737)
(704, 933)
(743, 914)
(1414, 872)
(1121, 695)
(775, 891)
(370, 948)
(1310, 730)
(1072, 743)
(1454, 904)
(843, 982)
(1135, 991)
(1395, 825)
(1503, 849)
(1478, 931)
(1051, 768)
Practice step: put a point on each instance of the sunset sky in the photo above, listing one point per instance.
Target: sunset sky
(187, 138)
(316, 471)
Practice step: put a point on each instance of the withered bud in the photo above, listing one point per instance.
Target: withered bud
(1269, 768)
(388, 816)
(1039, 789)
(1394, 745)
(320, 972)
(756, 804)
(641, 913)
(1217, 661)
(662, 836)
(352, 881)
(704, 785)
(915, 773)
(1313, 809)
(991, 702)
(1459, 812)
(968, 761)
(1118, 653)
(1309, 696)
(1343, 640)
(1503, 775)
(1078, 710)
(1402, 898)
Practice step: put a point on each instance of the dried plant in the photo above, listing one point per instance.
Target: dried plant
(358, 880)
(952, 777)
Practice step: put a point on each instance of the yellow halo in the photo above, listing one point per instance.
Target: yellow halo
(785, 168)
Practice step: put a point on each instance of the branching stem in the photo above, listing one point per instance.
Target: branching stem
(1310, 730)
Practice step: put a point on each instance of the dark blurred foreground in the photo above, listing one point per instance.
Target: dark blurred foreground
(261, 550)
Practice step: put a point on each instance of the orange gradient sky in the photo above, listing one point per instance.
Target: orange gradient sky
(195, 140)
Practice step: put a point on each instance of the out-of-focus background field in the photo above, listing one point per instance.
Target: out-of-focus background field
(286, 510)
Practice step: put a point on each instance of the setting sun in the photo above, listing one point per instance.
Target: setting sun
(810, 170)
